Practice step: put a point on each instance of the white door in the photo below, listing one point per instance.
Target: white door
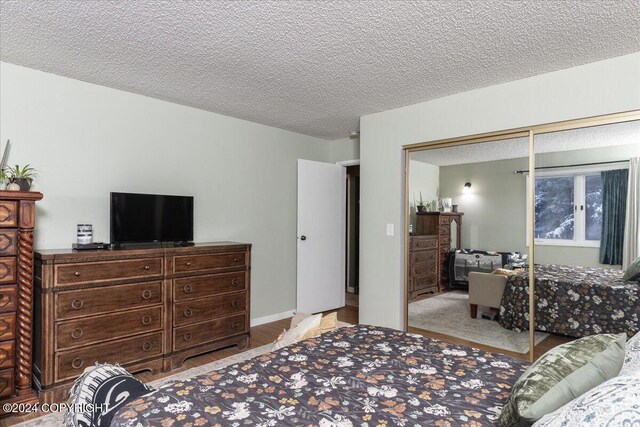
(321, 236)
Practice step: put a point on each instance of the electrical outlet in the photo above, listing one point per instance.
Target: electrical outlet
(389, 229)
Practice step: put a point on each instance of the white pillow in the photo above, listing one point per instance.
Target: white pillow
(612, 403)
(631, 362)
(298, 317)
(295, 333)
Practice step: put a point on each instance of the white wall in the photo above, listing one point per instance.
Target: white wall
(495, 208)
(593, 89)
(87, 140)
(344, 149)
(423, 178)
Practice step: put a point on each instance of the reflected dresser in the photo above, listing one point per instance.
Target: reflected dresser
(442, 230)
(145, 309)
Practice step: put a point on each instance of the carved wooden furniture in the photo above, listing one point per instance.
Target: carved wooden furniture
(438, 225)
(17, 222)
(423, 257)
(146, 309)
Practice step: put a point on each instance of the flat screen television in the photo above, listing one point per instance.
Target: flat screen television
(149, 218)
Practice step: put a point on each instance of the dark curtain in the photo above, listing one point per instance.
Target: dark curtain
(614, 205)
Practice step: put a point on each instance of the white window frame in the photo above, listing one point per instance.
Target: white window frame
(579, 218)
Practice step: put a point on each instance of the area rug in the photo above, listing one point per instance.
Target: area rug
(55, 419)
(449, 314)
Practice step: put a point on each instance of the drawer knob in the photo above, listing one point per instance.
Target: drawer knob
(77, 363)
(77, 274)
(187, 336)
(418, 244)
(77, 333)
(235, 259)
(146, 267)
(187, 289)
(146, 346)
(77, 304)
(235, 325)
(235, 282)
(146, 294)
(146, 320)
(188, 263)
(235, 303)
(187, 312)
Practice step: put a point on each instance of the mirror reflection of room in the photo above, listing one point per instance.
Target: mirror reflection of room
(587, 190)
(467, 235)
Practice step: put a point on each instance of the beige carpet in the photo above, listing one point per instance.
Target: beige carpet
(449, 314)
(55, 419)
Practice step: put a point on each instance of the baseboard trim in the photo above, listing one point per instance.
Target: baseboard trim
(272, 318)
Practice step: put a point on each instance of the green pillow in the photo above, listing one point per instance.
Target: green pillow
(561, 375)
(633, 272)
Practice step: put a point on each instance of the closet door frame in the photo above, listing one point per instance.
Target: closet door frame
(527, 132)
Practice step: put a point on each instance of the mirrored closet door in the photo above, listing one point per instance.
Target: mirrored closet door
(585, 234)
(467, 224)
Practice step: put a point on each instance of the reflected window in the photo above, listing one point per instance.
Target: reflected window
(568, 208)
(554, 208)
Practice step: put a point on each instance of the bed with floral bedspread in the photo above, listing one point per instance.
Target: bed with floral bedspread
(360, 376)
(573, 301)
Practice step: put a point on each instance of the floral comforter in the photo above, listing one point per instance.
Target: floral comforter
(573, 301)
(355, 376)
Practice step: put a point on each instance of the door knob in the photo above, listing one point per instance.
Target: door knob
(303, 237)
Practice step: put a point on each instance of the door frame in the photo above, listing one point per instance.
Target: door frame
(346, 163)
(528, 132)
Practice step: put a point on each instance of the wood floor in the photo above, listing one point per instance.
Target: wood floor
(260, 335)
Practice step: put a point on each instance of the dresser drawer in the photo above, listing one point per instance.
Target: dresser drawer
(444, 230)
(420, 243)
(424, 283)
(110, 270)
(75, 333)
(8, 298)
(444, 219)
(445, 240)
(422, 268)
(8, 213)
(84, 302)
(204, 286)
(189, 263)
(193, 311)
(8, 242)
(201, 333)
(6, 383)
(7, 326)
(8, 269)
(422, 256)
(71, 364)
(7, 353)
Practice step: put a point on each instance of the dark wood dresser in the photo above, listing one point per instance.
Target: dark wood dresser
(17, 222)
(429, 251)
(423, 257)
(146, 309)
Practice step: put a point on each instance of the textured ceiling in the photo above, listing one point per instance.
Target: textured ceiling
(593, 137)
(311, 67)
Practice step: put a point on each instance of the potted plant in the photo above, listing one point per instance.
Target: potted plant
(421, 206)
(22, 176)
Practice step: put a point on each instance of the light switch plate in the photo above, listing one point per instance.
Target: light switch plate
(389, 229)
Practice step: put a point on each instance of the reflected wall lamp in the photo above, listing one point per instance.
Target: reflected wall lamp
(467, 187)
